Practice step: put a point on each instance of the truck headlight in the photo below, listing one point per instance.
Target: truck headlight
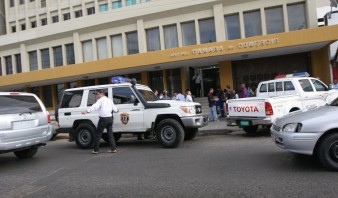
(190, 110)
(292, 127)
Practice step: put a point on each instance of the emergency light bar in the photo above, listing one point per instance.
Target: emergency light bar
(300, 74)
(119, 79)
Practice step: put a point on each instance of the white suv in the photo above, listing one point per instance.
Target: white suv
(140, 111)
(24, 124)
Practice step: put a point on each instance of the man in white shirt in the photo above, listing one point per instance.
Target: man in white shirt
(198, 80)
(105, 107)
(178, 96)
(335, 84)
(188, 98)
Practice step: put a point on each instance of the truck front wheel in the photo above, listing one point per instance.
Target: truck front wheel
(250, 129)
(170, 133)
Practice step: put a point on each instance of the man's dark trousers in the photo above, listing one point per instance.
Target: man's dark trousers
(104, 123)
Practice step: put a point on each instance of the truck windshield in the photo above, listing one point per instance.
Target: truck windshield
(148, 95)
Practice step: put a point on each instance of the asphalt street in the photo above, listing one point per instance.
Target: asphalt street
(223, 165)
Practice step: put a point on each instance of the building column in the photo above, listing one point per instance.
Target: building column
(263, 19)
(145, 78)
(320, 62)
(54, 96)
(197, 30)
(185, 82)
(109, 47)
(51, 59)
(94, 44)
(3, 67)
(165, 80)
(38, 55)
(142, 45)
(241, 23)
(77, 48)
(285, 18)
(225, 74)
(64, 55)
(219, 22)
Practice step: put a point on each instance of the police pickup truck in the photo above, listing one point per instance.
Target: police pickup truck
(276, 98)
(140, 111)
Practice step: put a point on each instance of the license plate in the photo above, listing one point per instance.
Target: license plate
(244, 123)
(23, 124)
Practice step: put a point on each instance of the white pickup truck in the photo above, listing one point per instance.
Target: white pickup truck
(276, 98)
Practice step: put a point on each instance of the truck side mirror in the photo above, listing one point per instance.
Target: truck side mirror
(330, 86)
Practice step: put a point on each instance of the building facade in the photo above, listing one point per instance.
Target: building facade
(52, 45)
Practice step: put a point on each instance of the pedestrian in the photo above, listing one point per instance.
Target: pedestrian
(228, 93)
(335, 84)
(198, 80)
(156, 93)
(212, 105)
(244, 91)
(188, 97)
(221, 100)
(165, 96)
(178, 96)
(105, 107)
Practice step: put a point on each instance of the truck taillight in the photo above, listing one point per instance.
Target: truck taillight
(48, 117)
(268, 109)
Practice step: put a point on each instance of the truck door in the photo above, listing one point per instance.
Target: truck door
(321, 89)
(310, 98)
(130, 115)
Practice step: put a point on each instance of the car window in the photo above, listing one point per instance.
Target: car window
(263, 88)
(279, 86)
(306, 85)
(271, 87)
(71, 99)
(319, 86)
(288, 86)
(19, 104)
(92, 96)
(122, 95)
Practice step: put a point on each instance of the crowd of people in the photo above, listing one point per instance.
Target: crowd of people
(177, 95)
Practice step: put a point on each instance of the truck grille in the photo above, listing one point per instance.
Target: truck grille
(198, 109)
(276, 128)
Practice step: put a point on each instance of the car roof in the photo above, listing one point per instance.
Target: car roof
(124, 84)
(287, 79)
(16, 94)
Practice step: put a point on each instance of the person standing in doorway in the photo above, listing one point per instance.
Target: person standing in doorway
(198, 80)
(212, 105)
(105, 107)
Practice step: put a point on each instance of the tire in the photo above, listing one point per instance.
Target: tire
(84, 136)
(170, 133)
(250, 129)
(190, 133)
(27, 153)
(328, 151)
(117, 137)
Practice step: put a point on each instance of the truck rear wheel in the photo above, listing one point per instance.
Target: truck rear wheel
(117, 136)
(250, 129)
(190, 133)
(328, 151)
(84, 136)
(170, 133)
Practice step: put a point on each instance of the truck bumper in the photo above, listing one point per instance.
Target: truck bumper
(195, 121)
(247, 121)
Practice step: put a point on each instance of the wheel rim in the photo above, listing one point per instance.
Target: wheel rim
(168, 133)
(333, 151)
(85, 136)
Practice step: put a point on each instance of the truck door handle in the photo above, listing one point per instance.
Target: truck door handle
(135, 110)
(68, 114)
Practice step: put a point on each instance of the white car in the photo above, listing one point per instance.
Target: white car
(24, 124)
(311, 132)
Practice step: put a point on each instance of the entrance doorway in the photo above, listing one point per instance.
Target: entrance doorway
(209, 79)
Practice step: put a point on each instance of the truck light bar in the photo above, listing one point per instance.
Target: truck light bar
(119, 79)
(300, 74)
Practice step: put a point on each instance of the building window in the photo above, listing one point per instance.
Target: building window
(117, 46)
(232, 26)
(9, 65)
(45, 58)
(22, 2)
(11, 3)
(18, 63)
(207, 30)
(132, 43)
(252, 23)
(43, 3)
(103, 7)
(188, 33)
(33, 24)
(170, 36)
(70, 54)
(13, 29)
(143, 1)
(66, 16)
(23, 26)
(130, 2)
(296, 17)
(55, 19)
(90, 11)
(33, 60)
(43, 21)
(87, 51)
(117, 4)
(102, 52)
(78, 13)
(153, 39)
(47, 93)
(58, 59)
(274, 20)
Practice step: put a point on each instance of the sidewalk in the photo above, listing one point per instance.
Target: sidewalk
(214, 128)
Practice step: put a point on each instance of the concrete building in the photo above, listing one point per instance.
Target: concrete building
(51, 45)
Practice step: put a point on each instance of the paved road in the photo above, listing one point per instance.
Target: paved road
(224, 165)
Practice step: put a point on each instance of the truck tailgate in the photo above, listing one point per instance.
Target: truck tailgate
(246, 107)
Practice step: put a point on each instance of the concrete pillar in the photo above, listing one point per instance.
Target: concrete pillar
(219, 22)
